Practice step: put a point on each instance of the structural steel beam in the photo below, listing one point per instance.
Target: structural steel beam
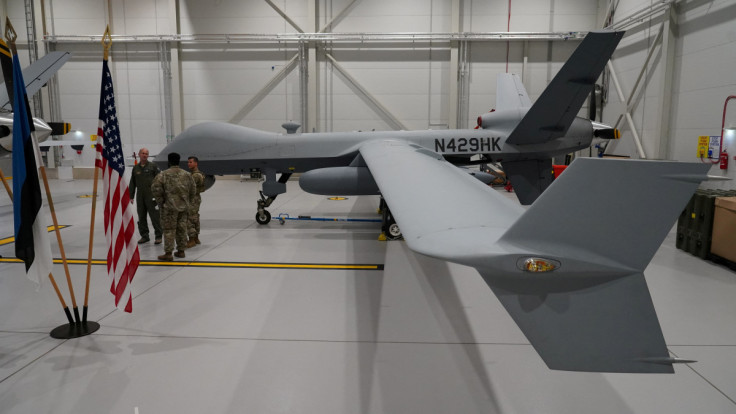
(258, 97)
(336, 38)
(311, 75)
(382, 110)
(626, 114)
(652, 48)
(668, 58)
(282, 14)
(335, 20)
(454, 80)
(177, 107)
(642, 15)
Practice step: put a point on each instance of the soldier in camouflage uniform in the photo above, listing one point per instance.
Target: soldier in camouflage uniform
(174, 189)
(193, 230)
(141, 179)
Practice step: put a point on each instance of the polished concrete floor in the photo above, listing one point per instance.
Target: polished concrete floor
(417, 335)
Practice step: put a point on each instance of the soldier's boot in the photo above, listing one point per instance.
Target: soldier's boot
(191, 243)
(196, 239)
(180, 254)
(166, 257)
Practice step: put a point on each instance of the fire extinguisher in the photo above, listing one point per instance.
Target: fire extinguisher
(724, 160)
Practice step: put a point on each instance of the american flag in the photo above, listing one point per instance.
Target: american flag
(122, 252)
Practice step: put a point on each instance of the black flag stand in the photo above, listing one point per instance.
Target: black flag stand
(74, 330)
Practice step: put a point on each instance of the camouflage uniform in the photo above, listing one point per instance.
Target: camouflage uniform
(173, 189)
(198, 178)
(142, 178)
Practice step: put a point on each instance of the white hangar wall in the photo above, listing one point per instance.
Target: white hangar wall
(135, 67)
(686, 83)
(413, 81)
(704, 76)
(216, 80)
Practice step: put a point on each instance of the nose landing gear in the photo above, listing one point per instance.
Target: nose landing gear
(262, 215)
(272, 189)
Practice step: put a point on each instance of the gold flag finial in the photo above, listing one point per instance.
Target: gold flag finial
(10, 35)
(107, 41)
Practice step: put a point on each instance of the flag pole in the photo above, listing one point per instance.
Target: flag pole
(123, 256)
(5, 183)
(42, 169)
(51, 276)
(106, 43)
(11, 36)
(91, 240)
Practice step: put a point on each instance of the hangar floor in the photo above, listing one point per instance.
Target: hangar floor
(420, 336)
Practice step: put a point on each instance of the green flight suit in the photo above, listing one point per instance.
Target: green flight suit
(141, 179)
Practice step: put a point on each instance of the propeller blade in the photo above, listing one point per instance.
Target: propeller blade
(6, 62)
(593, 110)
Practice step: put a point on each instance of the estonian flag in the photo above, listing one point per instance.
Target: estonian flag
(31, 236)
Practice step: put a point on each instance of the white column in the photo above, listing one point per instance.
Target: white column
(312, 121)
(177, 110)
(668, 61)
(454, 65)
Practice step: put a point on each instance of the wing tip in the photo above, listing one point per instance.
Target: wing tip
(624, 367)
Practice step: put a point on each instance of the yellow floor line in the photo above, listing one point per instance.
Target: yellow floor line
(251, 265)
(11, 239)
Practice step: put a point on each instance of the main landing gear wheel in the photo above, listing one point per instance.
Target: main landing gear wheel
(388, 225)
(263, 218)
(394, 233)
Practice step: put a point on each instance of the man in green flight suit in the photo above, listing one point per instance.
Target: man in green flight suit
(198, 177)
(174, 189)
(141, 179)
